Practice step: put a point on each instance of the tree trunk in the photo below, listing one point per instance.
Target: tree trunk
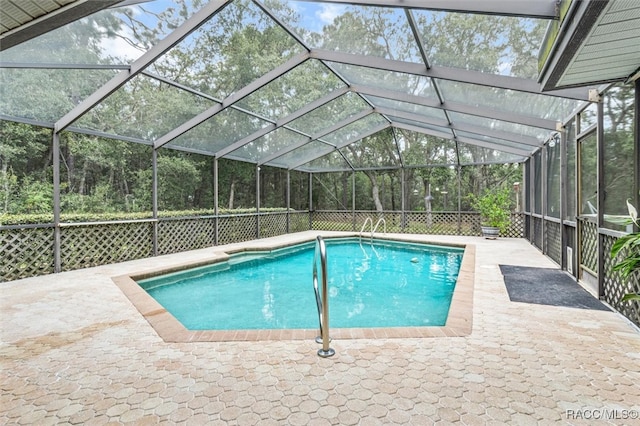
(345, 188)
(375, 192)
(231, 193)
(427, 202)
(5, 183)
(376, 198)
(83, 178)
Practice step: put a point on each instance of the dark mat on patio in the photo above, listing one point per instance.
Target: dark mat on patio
(547, 286)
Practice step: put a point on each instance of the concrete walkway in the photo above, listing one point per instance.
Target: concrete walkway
(74, 350)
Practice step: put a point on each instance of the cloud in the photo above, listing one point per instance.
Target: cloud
(329, 12)
(119, 48)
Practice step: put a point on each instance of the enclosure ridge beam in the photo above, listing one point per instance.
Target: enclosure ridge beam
(469, 141)
(544, 9)
(164, 45)
(369, 132)
(232, 99)
(317, 136)
(448, 73)
(283, 122)
(457, 107)
(479, 130)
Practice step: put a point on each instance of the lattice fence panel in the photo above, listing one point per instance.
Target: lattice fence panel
(615, 287)
(516, 227)
(235, 229)
(272, 225)
(436, 224)
(26, 252)
(470, 224)
(537, 232)
(101, 244)
(334, 221)
(177, 235)
(589, 246)
(553, 241)
(299, 221)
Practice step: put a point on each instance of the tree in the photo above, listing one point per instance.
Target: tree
(23, 158)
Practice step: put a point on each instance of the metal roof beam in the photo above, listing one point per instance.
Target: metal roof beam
(232, 99)
(54, 66)
(448, 73)
(469, 141)
(317, 136)
(282, 122)
(544, 9)
(479, 130)
(368, 133)
(164, 45)
(457, 107)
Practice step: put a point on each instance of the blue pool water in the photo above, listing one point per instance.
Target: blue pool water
(384, 284)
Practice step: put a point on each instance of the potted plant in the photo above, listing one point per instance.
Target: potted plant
(627, 248)
(494, 207)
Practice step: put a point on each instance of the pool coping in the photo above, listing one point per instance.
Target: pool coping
(459, 321)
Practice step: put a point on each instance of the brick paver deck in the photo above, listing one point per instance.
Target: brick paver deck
(74, 350)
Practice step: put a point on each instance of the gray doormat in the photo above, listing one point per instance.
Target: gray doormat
(547, 286)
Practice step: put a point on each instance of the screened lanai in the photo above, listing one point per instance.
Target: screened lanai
(199, 123)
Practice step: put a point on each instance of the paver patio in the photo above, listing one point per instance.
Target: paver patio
(74, 350)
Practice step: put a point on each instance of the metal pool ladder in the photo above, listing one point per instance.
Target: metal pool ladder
(320, 256)
(367, 220)
(381, 220)
(373, 228)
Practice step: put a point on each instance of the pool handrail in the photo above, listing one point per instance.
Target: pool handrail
(384, 222)
(367, 220)
(322, 302)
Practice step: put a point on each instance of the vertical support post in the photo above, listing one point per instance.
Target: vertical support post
(523, 208)
(578, 198)
(636, 190)
(154, 197)
(532, 198)
(459, 175)
(57, 240)
(563, 198)
(310, 201)
(257, 201)
(288, 199)
(215, 202)
(601, 194)
(353, 199)
(402, 197)
(544, 158)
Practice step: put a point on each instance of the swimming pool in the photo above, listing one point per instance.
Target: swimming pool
(458, 321)
(372, 283)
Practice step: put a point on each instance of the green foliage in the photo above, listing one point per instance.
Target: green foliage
(44, 218)
(494, 207)
(628, 249)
